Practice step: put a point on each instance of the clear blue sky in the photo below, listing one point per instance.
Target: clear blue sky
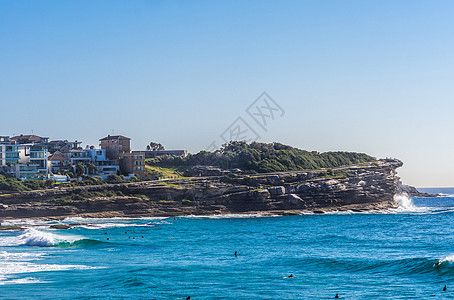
(367, 76)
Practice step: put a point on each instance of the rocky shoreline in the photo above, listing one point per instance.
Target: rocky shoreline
(356, 188)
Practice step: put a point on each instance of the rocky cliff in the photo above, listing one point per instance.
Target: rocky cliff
(366, 187)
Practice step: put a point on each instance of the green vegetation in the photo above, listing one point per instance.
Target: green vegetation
(85, 196)
(172, 185)
(12, 184)
(264, 158)
(162, 172)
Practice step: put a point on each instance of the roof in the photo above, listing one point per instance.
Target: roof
(27, 136)
(114, 137)
(56, 157)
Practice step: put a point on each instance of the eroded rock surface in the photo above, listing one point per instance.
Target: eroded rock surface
(356, 187)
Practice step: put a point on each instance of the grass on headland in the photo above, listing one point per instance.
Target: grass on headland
(176, 172)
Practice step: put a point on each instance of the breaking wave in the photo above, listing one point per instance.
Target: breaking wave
(33, 237)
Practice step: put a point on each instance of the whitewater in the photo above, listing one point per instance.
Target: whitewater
(402, 253)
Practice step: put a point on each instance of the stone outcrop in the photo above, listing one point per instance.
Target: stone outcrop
(356, 187)
(411, 191)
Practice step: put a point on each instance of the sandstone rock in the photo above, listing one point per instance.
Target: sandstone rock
(277, 190)
(295, 199)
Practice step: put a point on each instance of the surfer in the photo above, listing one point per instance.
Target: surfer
(337, 296)
(236, 253)
(188, 298)
(444, 288)
(437, 263)
(290, 276)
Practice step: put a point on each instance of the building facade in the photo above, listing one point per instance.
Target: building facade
(115, 145)
(133, 163)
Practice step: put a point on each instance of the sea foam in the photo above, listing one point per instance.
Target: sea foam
(33, 237)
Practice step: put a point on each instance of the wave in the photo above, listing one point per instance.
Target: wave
(231, 216)
(9, 269)
(400, 267)
(406, 205)
(38, 238)
(83, 243)
(5, 280)
(33, 237)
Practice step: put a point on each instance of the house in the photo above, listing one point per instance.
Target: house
(63, 146)
(115, 145)
(29, 139)
(77, 156)
(118, 147)
(24, 161)
(104, 165)
(59, 163)
(133, 163)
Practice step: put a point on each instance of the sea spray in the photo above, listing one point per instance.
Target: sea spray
(33, 237)
(404, 202)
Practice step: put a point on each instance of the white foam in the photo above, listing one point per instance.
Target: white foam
(449, 258)
(232, 216)
(406, 205)
(21, 256)
(19, 262)
(5, 281)
(34, 237)
(8, 268)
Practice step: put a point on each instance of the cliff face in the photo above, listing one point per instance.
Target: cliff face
(356, 188)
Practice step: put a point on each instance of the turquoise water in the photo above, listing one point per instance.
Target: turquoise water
(381, 255)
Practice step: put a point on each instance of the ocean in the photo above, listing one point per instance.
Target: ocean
(405, 253)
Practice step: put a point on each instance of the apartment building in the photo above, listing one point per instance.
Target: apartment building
(115, 145)
(133, 163)
(104, 165)
(24, 161)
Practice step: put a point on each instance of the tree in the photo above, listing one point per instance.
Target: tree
(155, 146)
(80, 169)
(92, 168)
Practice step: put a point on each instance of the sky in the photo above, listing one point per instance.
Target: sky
(364, 76)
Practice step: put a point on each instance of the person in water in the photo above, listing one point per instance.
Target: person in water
(236, 253)
(337, 296)
(188, 298)
(291, 276)
(445, 288)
